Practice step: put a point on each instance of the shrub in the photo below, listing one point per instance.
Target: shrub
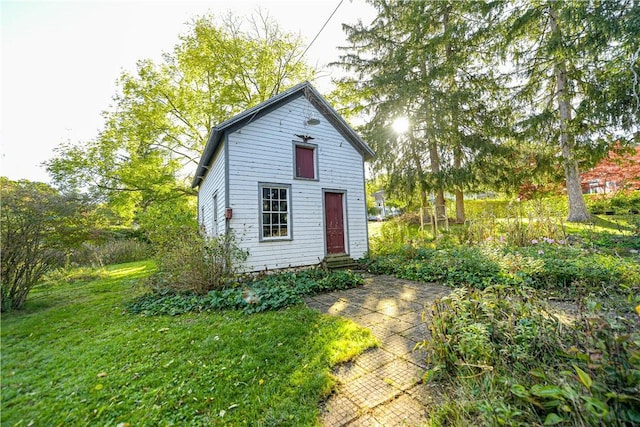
(38, 228)
(618, 203)
(191, 262)
(111, 252)
(509, 361)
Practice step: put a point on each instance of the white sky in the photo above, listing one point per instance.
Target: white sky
(60, 60)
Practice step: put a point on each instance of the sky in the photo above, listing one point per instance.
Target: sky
(60, 60)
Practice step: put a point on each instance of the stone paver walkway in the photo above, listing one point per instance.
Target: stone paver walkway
(383, 386)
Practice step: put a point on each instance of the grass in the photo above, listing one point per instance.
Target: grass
(75, 357)
(619, 233)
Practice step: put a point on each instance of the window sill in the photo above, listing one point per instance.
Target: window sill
(274, 239)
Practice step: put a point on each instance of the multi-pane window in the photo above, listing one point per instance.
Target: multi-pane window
(275, 212)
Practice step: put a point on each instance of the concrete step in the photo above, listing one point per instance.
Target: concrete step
(336, 262)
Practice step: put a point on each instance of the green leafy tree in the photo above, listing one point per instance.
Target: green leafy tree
(574, 65)
(154, 134)
(38, 228)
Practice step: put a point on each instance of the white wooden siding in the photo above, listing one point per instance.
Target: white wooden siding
(213, 184)
(262, 152)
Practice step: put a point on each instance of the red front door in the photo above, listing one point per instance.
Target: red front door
(334, 220)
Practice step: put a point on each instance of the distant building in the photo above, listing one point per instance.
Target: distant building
(614, 173)
(379, 198)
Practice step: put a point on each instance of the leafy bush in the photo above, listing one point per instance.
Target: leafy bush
(507, 360)
(618, 203)
(111, 252)
(191, 262)
(271, 292)
(38, 228)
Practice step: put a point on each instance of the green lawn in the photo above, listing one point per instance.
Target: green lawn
(74, 356)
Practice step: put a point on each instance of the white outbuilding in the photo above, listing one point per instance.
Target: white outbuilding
(287, 178)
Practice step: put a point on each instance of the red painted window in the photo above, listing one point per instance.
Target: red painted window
(304, 162)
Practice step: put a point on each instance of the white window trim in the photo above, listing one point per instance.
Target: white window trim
(215, 214)
(287, 187)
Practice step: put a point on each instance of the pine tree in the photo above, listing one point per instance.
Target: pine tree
(573, 64)
(425, 60)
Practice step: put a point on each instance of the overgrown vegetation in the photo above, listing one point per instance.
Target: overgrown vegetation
(620, 203)
(505, 359)
(498, 349)
(113, 251)
(270, 292)
(45, 231)
(189, 261)
(76, 358)
(521, 227)
(548, 266)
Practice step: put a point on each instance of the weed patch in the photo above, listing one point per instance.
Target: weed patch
(505, 359)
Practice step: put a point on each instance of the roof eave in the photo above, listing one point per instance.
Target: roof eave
(210, 149)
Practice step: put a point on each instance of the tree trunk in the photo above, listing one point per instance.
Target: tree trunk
(434, 157)
(418, 163)
(577, 208)
(457, 148)
(460, 215)
(457, 163)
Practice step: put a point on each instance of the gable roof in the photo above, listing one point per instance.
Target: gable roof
(303, 89)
